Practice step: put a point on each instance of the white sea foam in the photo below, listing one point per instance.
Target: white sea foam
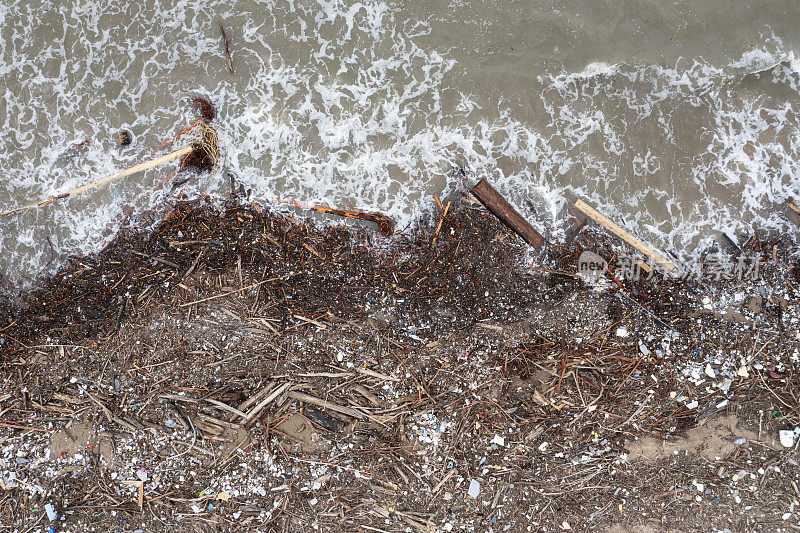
(341, 104)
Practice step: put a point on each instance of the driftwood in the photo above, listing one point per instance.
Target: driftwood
(203, 154)
(385, 223)
(319, 402)
(491, 200)
(102, 181)
(624, 235)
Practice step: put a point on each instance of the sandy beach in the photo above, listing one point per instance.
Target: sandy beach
(240, 370)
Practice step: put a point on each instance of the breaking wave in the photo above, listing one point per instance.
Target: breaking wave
(343, 105)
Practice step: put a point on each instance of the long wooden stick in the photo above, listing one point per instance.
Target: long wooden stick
(102, 181)
(509, 216)
(624, 235)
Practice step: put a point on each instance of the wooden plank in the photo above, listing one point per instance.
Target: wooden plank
(491, 200)
(624, 235)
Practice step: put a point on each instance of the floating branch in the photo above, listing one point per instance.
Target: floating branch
(202, 154)
(491, 200)
(792, 203)
(227, 51)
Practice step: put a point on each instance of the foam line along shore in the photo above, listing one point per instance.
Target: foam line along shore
(371, 106)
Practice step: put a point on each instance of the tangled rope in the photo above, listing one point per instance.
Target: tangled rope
(205, 150)
(208, 142)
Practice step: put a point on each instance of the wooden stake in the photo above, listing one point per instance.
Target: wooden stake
(102, 181)
(491, 200)
(624, 235)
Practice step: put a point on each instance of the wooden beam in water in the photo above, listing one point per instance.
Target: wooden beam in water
(491, 200)
(624, 235)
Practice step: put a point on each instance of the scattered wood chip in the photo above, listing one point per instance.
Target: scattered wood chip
(307, 398)
(372, 373)
(266, 401)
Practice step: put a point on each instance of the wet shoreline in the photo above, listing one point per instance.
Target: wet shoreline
(81, 295)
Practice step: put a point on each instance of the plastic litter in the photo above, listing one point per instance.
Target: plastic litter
(786, 437)
(474, 489)
(51, 512)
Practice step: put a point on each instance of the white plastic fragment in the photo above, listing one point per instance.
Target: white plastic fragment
(499, 440)
(51, 512)
(786, 437)
(474, 489)
(742, 372)
(710, 371)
